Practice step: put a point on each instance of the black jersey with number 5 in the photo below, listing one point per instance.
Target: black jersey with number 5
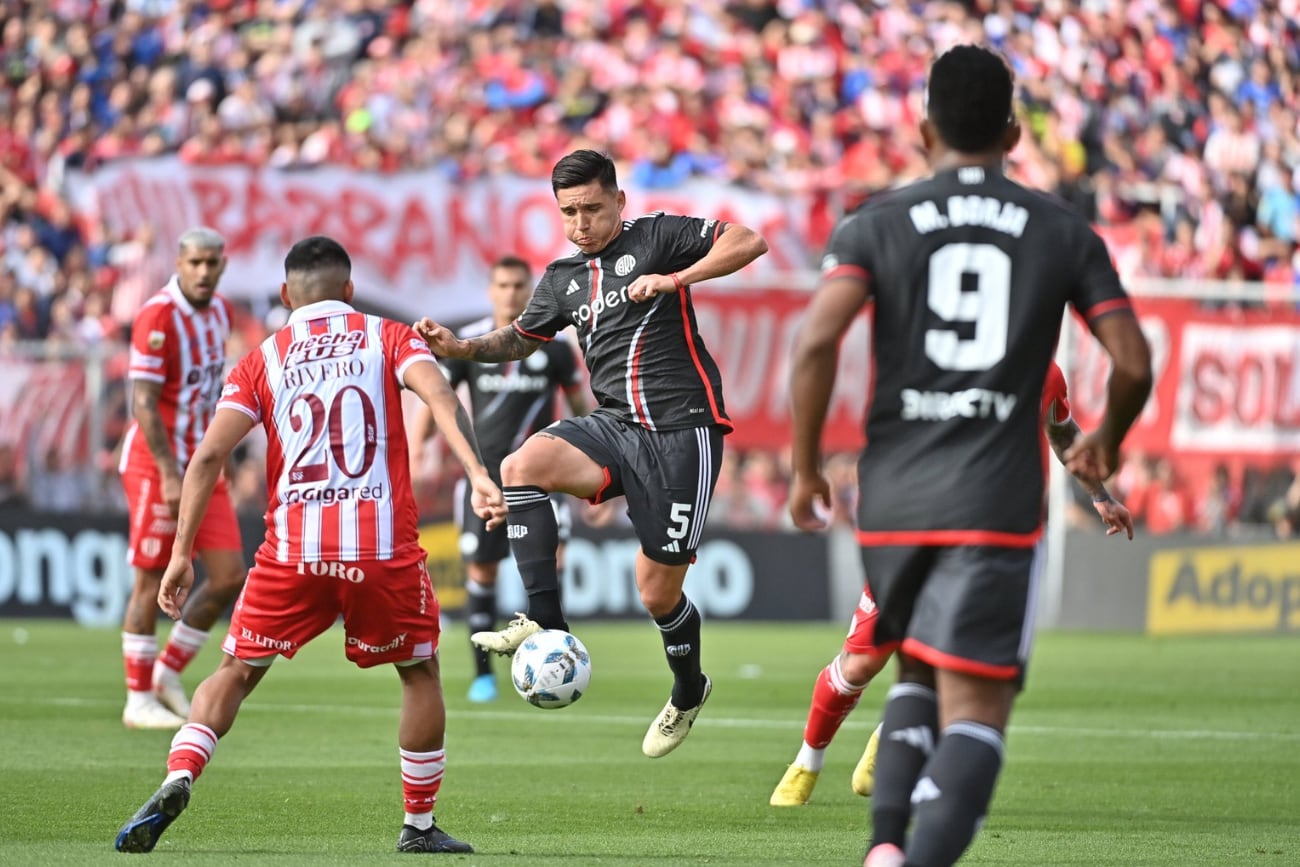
(513, 400)
(647, 361)
(969, 274)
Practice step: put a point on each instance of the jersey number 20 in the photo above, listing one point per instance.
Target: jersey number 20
(969, 283)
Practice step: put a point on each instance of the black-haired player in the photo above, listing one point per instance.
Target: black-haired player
(509, 401)
(968, 275)
(656, 436)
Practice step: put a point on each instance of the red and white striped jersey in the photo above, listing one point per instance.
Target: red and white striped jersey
(327, 388)
(184, 348)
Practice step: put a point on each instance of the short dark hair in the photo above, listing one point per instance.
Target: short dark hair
(969, 98)
(583, 167)
(512, 261)
(317, 253)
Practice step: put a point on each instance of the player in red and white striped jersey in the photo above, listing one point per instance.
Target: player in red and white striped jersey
(178, 357)
(342, 535)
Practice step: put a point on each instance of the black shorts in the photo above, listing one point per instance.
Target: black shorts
(478, 544)
(967, 608)
(666, 476)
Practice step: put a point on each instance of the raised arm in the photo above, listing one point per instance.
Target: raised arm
(504, 344)
(735, 248)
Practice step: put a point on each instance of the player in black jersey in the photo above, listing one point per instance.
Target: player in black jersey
(509, 402)
(968, 275)
(656, 436)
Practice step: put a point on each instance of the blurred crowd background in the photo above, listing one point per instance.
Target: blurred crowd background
(1173, 125)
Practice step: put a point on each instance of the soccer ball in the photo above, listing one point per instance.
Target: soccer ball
(551, 669)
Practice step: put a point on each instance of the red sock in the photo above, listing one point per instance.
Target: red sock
(832, 699)
(138, 655)
(182, 645)
(192, 749)
(421, 777)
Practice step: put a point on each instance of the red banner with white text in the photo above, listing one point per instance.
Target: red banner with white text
(751, 334)
(1227, 383)
(421, 245)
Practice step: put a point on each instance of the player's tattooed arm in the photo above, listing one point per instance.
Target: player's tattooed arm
(504, 344)
(144, 407)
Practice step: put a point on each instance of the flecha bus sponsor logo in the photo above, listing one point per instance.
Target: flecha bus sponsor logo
(321, 347)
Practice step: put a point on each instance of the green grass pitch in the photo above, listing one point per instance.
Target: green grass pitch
(1124, 750)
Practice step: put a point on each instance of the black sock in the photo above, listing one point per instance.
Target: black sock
(534, 537)
(480, 615)
(907, 737)
(680, 630)
(953, 794)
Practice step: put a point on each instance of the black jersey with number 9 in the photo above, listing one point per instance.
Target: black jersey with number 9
(969, 274)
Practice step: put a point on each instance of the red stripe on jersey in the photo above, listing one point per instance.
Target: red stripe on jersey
(1099, 310)
(640, 411)
(718, 417)
(996, 538)
(318, 326)
(949, 662)
(283, 340)
(331, 547)
(856, 272)
(529, 334)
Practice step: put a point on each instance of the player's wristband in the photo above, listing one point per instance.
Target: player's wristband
(677, 282)
(1103, 497)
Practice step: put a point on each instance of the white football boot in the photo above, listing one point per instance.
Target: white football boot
(167, 687)
(672, 726)
(507, 641)
(144, 711)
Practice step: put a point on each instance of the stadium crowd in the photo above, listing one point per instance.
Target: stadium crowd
(1174, 125)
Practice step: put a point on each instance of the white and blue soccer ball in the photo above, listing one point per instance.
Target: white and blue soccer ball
(551, 669)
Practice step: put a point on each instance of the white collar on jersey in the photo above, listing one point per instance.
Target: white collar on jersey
(173, 290)
(318, 309)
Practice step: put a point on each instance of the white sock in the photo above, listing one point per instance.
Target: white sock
(810, 758)
(176, 775)
(419, 821)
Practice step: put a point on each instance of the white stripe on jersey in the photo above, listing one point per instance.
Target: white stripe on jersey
(185, 393)
(347, 511)
(597, 285)
(636, 385)
(385, 507)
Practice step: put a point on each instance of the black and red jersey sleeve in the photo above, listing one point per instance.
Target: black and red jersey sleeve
(847, 253)
(683, 241)
(1098, 289)
(542, 318)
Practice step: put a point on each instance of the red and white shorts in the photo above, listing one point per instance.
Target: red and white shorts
(862, 629)
(389, 610)
(153, 529)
